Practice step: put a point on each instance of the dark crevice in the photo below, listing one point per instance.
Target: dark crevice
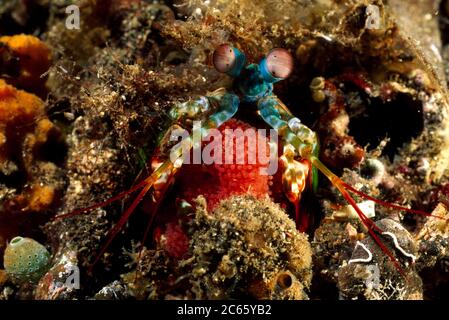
(444, 22)
(54, 150)
(27, 17)
(15, 180)
(400, 120)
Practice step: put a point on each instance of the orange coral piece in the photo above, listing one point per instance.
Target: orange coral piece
(41, 198)
(22, 115)
(24, 127)
(18, 105)
(34, 58)
(19, 111)
(3, 277)
(43, 129)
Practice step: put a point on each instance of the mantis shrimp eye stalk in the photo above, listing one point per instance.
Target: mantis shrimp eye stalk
(227, 59)
(277, 65)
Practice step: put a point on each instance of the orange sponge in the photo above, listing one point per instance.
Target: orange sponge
(33, 58)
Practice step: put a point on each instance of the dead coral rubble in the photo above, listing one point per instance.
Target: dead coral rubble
(370, 274)
(252, 246)
(245, 248)
(432, 263)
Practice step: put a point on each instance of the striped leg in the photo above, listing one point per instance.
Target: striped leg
(299, 142)
(225, 105)
(216, 108)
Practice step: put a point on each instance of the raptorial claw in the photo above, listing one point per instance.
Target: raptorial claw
(294, 179)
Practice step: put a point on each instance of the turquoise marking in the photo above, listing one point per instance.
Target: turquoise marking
(239, 64)
(229, 104)
(250, 85)
(268, 111)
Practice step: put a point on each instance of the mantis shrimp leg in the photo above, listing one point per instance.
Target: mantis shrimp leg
(227, 107)
(296, 172)
(216, 108)
(305, 142)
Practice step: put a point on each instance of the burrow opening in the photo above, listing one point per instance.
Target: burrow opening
(400, 120)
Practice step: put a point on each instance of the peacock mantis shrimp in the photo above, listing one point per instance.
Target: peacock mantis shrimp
(252, 88)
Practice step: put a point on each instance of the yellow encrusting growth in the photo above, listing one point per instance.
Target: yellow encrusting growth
(41, 197)
(16, 104)
(18, 112)
(25, 135)
(34, 58)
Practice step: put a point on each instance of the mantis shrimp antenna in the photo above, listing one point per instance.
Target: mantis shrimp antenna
(146, 185)
(372, 227)
(103, 203)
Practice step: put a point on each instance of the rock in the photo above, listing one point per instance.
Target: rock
(62, 281)
(248, 244)
(371, 275)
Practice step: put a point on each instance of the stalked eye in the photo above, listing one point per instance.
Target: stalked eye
(224, 58)
(279, 63)
(228, 60)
